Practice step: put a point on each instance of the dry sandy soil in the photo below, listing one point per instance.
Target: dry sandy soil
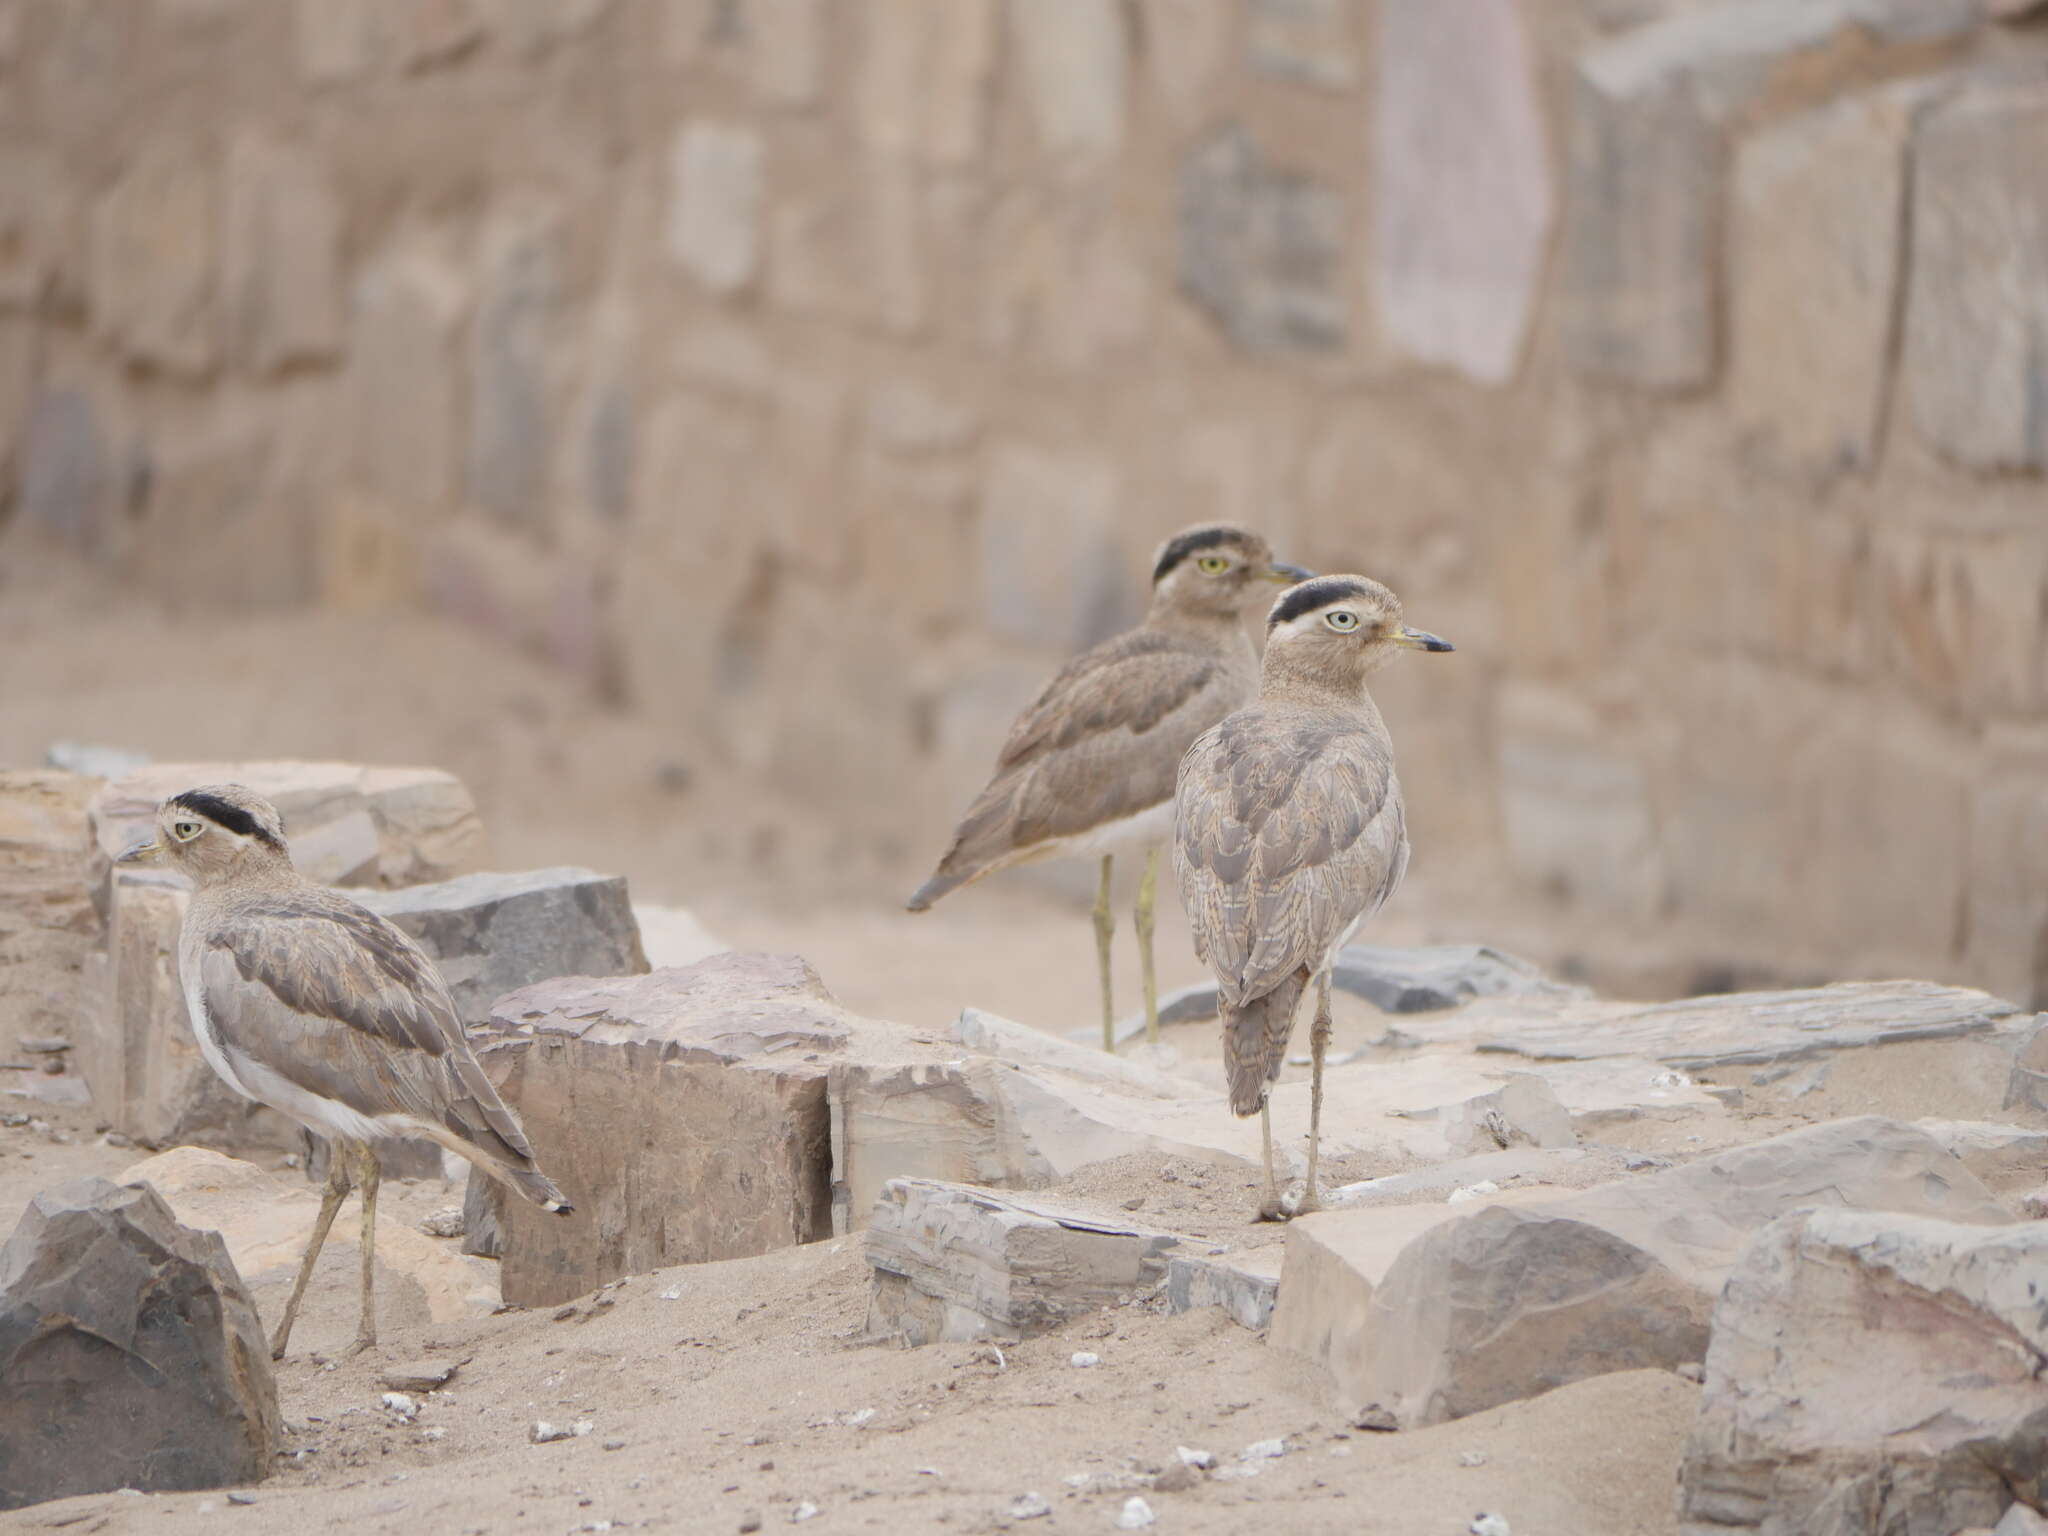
(747, 1393)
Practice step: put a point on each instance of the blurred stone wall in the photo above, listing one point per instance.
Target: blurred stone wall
(813, 374)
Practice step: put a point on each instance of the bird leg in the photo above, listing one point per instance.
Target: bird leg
(1318, 1043)
(330, 1202)
(1270, 1208)
(1105, 931)
(366, 1329)
(1148, 890)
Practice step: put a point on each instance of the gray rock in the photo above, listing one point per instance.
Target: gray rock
(1309, 41)
(954, 1262)
(718, 1069)
(1518, 1165)
(2003, 1156)
(1872, 1373)
(1260, 248)
(490, 934)
(130, 1354)
(511, 422)
(1245, 1285)
(153, 259)
(70, 485)
(715, 204)
(93, 762)
(2021, 1520)
(2027, 1089)
(280, 257)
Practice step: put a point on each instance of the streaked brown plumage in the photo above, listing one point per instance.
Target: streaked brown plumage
(1088, 769)
(1289, 831)
(309, 1002)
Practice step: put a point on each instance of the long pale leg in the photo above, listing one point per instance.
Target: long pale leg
(330, 1202)
(366, 1329)
(1148, 891)
(1318, 1043)
(1270, 1208)
(1105, 931)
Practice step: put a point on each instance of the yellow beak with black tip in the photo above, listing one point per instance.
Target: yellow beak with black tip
(145, 851)
(1421, 640)
(1287, 575)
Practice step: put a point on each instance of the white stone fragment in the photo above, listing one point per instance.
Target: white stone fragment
(1137, 1514)
(1082, 1359)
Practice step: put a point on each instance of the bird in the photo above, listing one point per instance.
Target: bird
(1289, 832)
(309, 1002)
(1087, 769)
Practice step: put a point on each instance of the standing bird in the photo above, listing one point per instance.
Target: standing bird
(1288, 833)
(305, 1001)
(1088, 767)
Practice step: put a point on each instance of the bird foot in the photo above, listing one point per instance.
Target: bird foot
(277, 1349)
(361, 1343)
(1273, 1208)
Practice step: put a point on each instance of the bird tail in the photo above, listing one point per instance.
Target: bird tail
(537, 1187)
(1255, 1041)
(510, 1164)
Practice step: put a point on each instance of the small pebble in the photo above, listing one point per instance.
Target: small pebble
(673, 1293)
(242, 1499)
(433, 1432)
(1472, 1458)
(1029, 1506)
(544, 1433)
(446, 1222)
(1135, 1203)
(1477, 1191)
(1201, 1461)
(564, 1314)
(1082, 1359)
(615, 1445)
(1137, 1514)
(750, 1522)
(1263, 1450)
(804, 1511)
(1177, 1478)
(418, 1376)
(858, 1417)
(400, 1404)
(1373, 1417)
(1488, 1525)
(1693, 1371)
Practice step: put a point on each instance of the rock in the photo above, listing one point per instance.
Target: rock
(715, 202)
(1135, 1515)
(1048, 535)
(1524, 1111)
(491, 934)
(1245, 1285)
(2034, 1203)
(1511, 1302)
(347, 825)
(45, 843)
(2021, 1520)
(544, 1433)
(265, 1222)
(1308, 41)
(130, 1354)
(954, 1262)
(404, 380)
(672, 936)
(719, 1067)
(787, 43)
(1519, 1165)
(512, 417)
(1260, 248)
(1074, 62)
(1872, 1372)
(280, 258)
(78, 757)
(2003, 1156)
(1976, 319)
(1083, 1359)
(418, 1376)
(2027, 1088)
(925, 72)
(995, 1036)
(71, 484)
(1460, 220)
(1029, 1506)
(153, 259)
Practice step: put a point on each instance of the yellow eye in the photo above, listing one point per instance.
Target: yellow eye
(1342, 620)
(185, 831)
(1213, 565)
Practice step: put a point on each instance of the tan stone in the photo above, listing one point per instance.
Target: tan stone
(2008, 885)
(787, 43)
(409, 306)
(1871, 1372)
(46, 852)
(1309, 41)
(1050, 575)
(1074, 62)
(1186, 42)
(855, 251)
(716, 193)
(153, 260)
(336, 38)
(513, 412)
(280, 254)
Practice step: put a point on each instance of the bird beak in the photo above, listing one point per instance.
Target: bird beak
(147, 851)
(1287, 575)
(1421, 640)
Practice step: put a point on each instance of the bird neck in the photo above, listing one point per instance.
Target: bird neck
(1212, 626)
(1287, 678)
(256, 869)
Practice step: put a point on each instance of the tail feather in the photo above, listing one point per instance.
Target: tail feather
(511, 1166)
(1255, 1037)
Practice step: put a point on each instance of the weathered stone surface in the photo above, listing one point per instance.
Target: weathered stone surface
(716, 194)
(35, 209)
(280, 256)
(1462, 199)
(1817, 204)
(2027, 1090)
(926, 70)
(1739, 1028)
(1022, 1045)
(45, 852)
(1310, 41)
(511, 420)
(854, 251)
(153, 260)
(130, 1355)
(1507, 1304)
(1523, 1112)
(787, 42)
(1260, 247)
(491, 934)
(1245, 1285)
(1977, 311)
(954, 1262)
(1050, 571)
(1575, 808)
(71, 484)
(403, 385)
(1575, 1167)
(265, 1221)
(719, 1067)
(335, 38)
(347, 825)
(2005, 1157)
(672, 936)
(1074, 62)
(1872, 1373)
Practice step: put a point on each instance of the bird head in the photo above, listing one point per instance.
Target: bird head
(212, 833)
(1216, 569)
(1339, 629)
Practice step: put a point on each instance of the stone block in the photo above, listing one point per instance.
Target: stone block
(1260, 248)
(1021, 1045)
(954, 1262)
(1575, 806)
(1052, 574)
(72, 486)
(787, 45)
(214, 485)
(716, 195)
(926, 72)
(1871, 1373)
(403, 387)
(1506, 1304)
(2005, 1157)
(1523, 1112)
(1187, 43)
(36, 225)
(2027, 1090)
(336, 39)
(855, 250)
(1245, 1285)
(1814, 270)
(130, 1354)
(491, 934)
(280, 256)
(1074, 64)
(1461, 219)
(1977, 309)
(719, 1069)
(46, 852)
(1309, 41)
(511, 410)
(154, 260)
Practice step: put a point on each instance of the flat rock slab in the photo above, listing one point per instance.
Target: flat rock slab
(683, 1112)
(130, 1354)
(1245, 1285)
(1870, 1372)
(954, 1262)
(1493, 1304)
(1749, 1028)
